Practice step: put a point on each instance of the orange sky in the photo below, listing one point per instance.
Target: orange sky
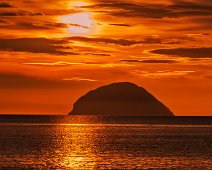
(52, 52)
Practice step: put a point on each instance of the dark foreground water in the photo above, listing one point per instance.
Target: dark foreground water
(83, 142)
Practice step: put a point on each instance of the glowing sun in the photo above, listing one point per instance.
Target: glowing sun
(79, 23)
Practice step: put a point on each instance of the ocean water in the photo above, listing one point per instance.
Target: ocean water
(90, 142)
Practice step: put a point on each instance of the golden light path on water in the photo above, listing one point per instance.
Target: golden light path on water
(87, 147)
(77, 147)
(103, 143)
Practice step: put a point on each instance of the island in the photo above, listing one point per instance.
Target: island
(120, 99)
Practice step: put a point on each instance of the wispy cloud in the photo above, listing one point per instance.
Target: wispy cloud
(19, 13)
(19, 81)
(5, 5)
(163, 74)
(121, 42)
(175, 10)
(204, 52)
(59, 63)
(121, 25)
(41, 25)
(36, 45)
(23, 81)
(150, 61)
(79, 79)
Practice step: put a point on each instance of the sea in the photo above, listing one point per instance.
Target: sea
(105, 142)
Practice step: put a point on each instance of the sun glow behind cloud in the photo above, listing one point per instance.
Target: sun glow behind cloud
(79, 23)
(78, 4)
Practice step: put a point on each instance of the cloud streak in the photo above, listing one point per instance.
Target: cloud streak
(150, 61)
(121, 42)
(121, 25)
(59, 63)
(79, 79)
(5, 5)
(20, 81)
(175, 10)
(205, 52)
(19, 13)
(35, 45)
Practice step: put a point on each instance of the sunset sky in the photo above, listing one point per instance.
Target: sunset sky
(54, 51)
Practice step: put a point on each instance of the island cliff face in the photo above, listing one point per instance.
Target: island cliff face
(120, 99)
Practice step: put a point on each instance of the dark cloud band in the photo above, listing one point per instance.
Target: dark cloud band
(186, 52)
(121, 42)
(35, 45)
(5, 5)
(176, 10)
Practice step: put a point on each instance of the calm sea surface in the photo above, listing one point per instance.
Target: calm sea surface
(86, 142)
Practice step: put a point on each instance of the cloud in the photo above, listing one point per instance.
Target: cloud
(5, 5)
(175, 10)
(121, 25)
(32, 25)
(2, 21)
(130, 10)
(44, 25)
(98, 54)
(19, 13)
(59, 63)
(163, 74)
(203, 22)
(35, 45)
(20, 81)
(205, 52)
(190, 6)
(79, 79)
(150, 61)
(16, 81)
(122, 42)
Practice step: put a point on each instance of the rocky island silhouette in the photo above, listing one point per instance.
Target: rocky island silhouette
(120, 99)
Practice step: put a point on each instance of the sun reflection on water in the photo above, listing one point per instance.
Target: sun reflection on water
(97, 143)
(76, 143)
